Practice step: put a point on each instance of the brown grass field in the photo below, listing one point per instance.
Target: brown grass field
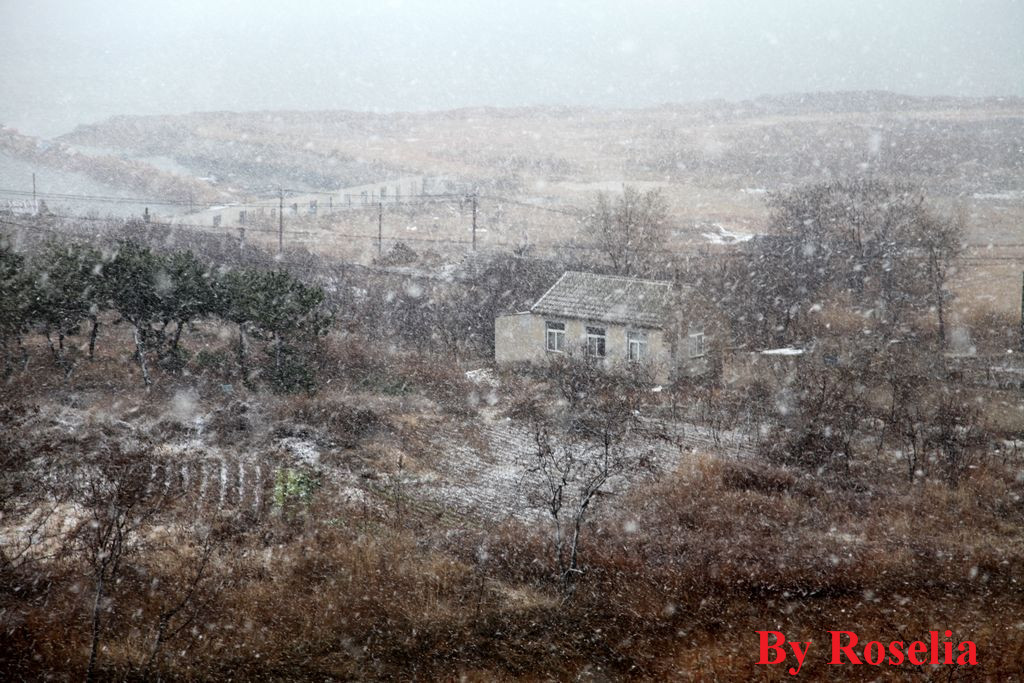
(370, 578)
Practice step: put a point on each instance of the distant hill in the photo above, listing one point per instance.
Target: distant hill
(874, 101)
(106, 170)
(953, 146)
(254, 152)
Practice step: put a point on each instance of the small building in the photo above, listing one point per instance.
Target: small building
(616, 319)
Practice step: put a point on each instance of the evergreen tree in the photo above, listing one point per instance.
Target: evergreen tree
(288, 314)
(16, 302)
(131, 285)
(186, 291)
(67, 293)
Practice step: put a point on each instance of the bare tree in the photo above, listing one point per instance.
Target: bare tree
(631, 231)
(31, 505)
(185, 600)
(119, 501)
(819, 419)
(956, 437)
(875, 247)
(583, 443)
(940, 238)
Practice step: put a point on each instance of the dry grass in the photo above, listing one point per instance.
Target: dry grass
(679, 574)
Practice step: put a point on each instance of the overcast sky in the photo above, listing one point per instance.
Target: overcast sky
(64, 62)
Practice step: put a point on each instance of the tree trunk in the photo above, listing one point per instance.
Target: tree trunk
(90, 672)
(158, 642)
(177, 336)
(53, 349)
(66, 365)
(277, 354)
(24, 353)
(942, 321)
(162, 334)
(559, 543)
(574, 548)
(241, 353)
(58, 353)
(140, 349)
(92, 336)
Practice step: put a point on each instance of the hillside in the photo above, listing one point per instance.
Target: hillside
(955, 147)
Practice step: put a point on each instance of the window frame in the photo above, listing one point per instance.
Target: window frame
(599, 339)
(553, 332)
(638, 338)
(696, 345)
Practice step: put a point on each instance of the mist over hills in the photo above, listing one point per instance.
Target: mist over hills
(953, 146)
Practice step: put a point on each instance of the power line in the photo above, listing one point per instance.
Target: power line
(58, 196)
(319, 235)
(574, 212)
(331, 234)
(264, 203)
(167, 201)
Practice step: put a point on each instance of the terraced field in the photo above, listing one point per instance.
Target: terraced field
(496, 481)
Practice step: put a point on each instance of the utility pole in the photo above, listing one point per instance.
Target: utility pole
(1022, 312)
(380, 229)
(280, 221)
(474, 221)
(35, 204)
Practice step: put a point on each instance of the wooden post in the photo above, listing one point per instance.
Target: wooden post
(280, 222)
(380, 228)
(474, 222)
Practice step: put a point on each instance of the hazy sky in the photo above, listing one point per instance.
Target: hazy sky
(64, 62)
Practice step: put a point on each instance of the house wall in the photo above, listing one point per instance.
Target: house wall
(685, 364)
(521, 338)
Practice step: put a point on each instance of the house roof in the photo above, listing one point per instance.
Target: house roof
(607, 298)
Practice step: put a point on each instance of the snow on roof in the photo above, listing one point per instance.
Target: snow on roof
(788, 351)
(607, 298)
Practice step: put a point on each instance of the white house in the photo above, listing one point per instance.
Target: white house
(616, 319)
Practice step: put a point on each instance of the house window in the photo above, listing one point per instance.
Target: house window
(555, 336)
(216, 221)
(595, 341)
(697, 344)
(636, 345)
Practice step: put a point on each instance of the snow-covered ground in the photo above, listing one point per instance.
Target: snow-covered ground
(725, 236)
(493, 481)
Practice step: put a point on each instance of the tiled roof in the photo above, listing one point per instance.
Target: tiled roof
(607, 298)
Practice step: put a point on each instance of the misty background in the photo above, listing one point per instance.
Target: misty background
(66, 62)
